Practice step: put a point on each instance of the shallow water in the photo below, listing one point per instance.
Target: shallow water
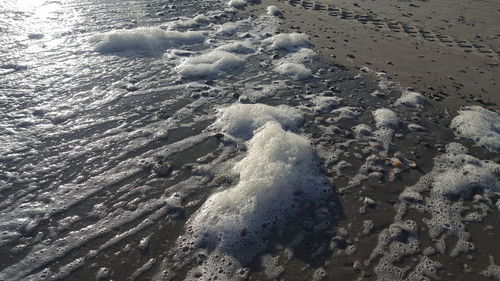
(112, 142)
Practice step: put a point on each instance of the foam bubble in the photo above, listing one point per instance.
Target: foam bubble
(288, 41)
(454, 178)
(273, 11)
(237, 48)
(385, 118)
(238, 4)
(295, 70)
(241, 120)
(194, 22)
(410, 98)
(143, 38)
(276, 176)
(346, 112)
(362, 131)
(480, 125)
(302, 55)
(210, 64)
(325, 103)
(462, 173)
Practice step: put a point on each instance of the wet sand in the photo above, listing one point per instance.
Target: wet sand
(447, 50)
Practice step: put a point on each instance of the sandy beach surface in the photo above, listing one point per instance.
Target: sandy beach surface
(249, 140)
(448, 50)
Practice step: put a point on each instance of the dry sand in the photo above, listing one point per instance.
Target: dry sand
(448, 50)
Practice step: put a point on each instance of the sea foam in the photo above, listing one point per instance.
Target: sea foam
(295, 70)
(143, 38)
(277, 176)
(480, 125)
(241, 120)
(385, 118)
(289, 41)
(411, 99)
(210, 64)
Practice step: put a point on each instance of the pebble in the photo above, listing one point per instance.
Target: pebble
(132, 88)
(162, 169)
(367, 226)
(103, 273)
(351, 249)
(397, 163)
(144, 244)
(369, 202)
(358, 266)
(342, 232)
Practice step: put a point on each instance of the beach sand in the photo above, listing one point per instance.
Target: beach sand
(447, 50)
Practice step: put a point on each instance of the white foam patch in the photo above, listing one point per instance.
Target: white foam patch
(273, 11)
(385, 118)
(293, 64)
(241, 120)
(143, 38)
(230, 28)
(463, 178)
(192, 23)
(440, 195)
(480, 125)
(276, 177)
(288, 41)
(302, 55)
(238, 4)
(237, 48)
(409, 98)
(295, 70)
(325, 103)
(362, 131)
(211, 64)
(346, 112)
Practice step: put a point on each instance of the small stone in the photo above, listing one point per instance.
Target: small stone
(367, 226)
(103, 273)
(351, 249)
(376, 145)
(162, 169)
(243, 99)
(144, 243)
(397, 163)
(132, 88)
(342, 232)
(358, 266)
(411, 164)
(398, 155)
(369, 202)
(467, 268)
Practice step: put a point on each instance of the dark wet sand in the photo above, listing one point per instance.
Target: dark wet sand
(447, 50)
